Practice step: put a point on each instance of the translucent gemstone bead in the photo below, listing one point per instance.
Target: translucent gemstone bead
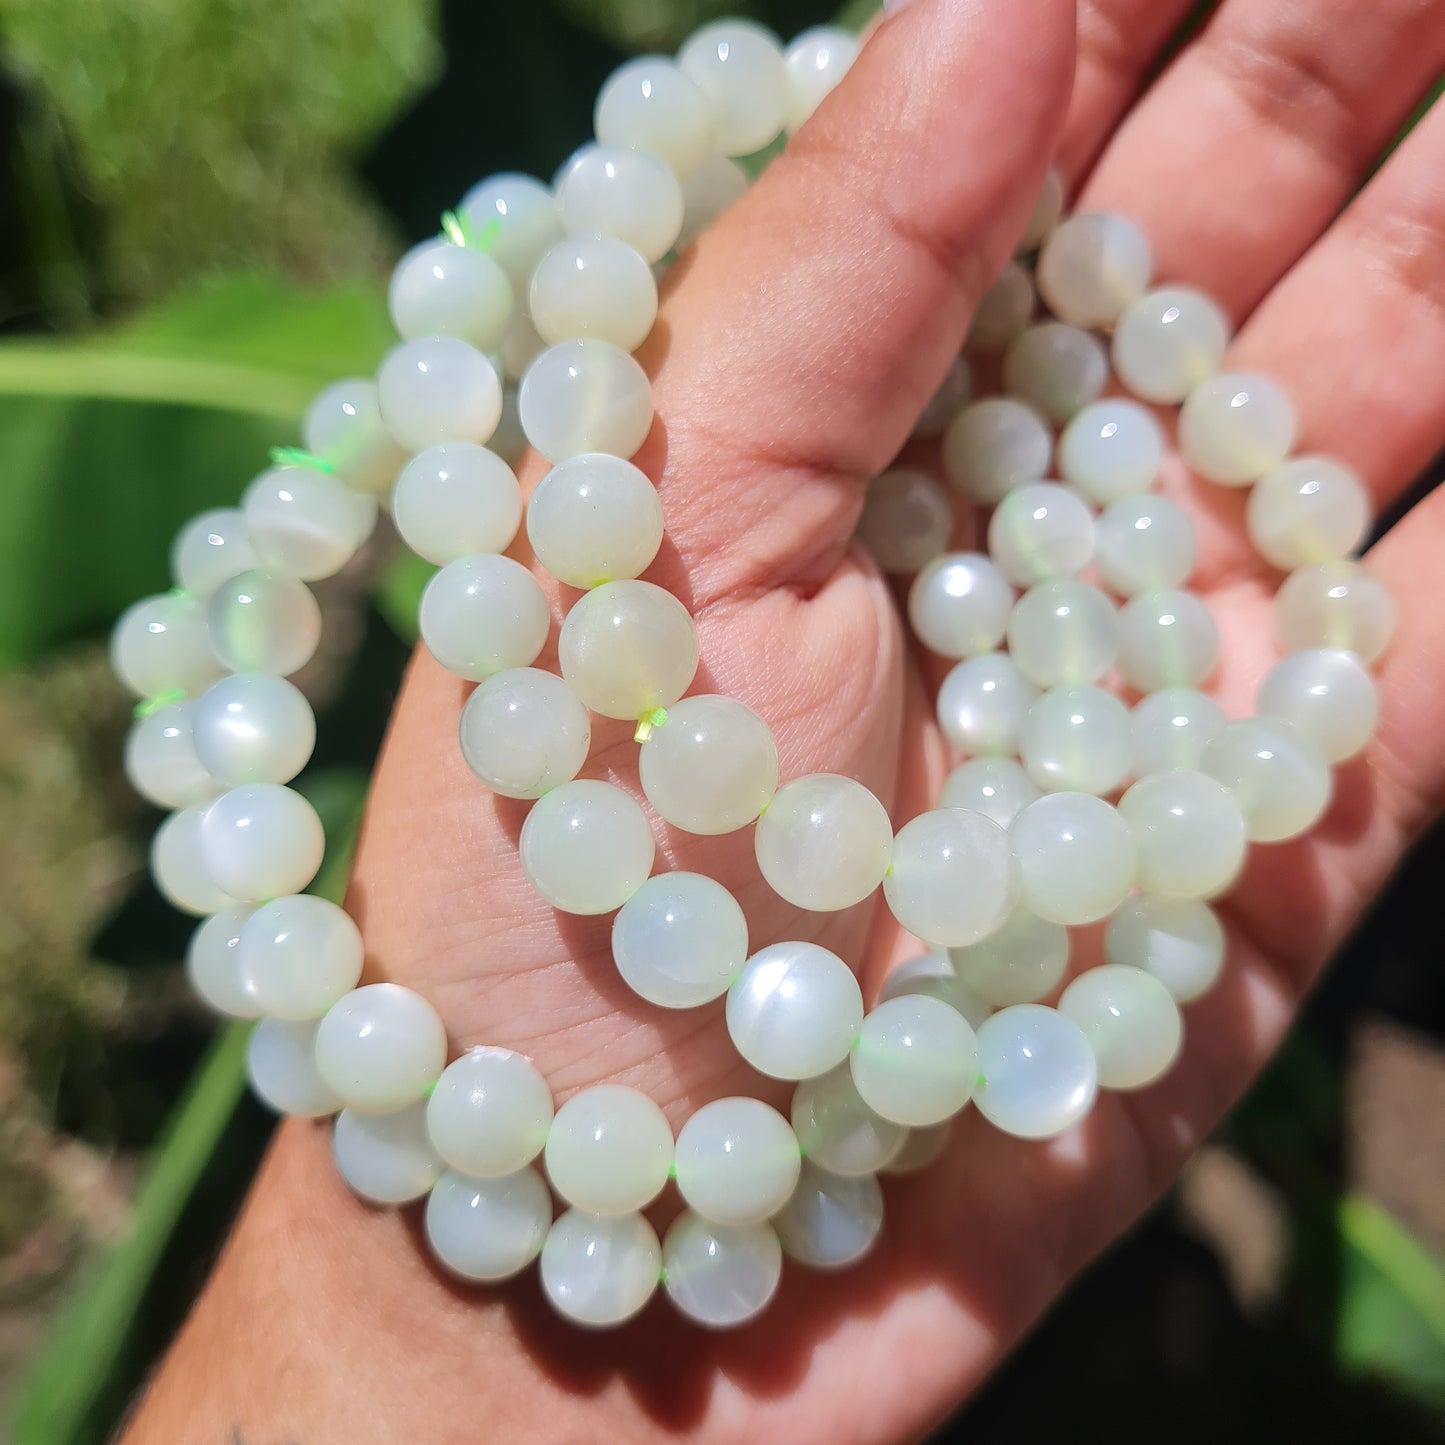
(456, 500)
(996, 787)
(600, 1272)
(706, 194)
(794, 1011)
(1336, 604)
(1328, 695)
(1039, 1075)
(1111, 449)
(1235, 427)
(737, 1161)
(381, 1048)
(1143, 543)
(816, 61)
(594, 286)
(213, 967)
(586, 847)
(594, 519)
(1005, 309)
(1168, 342)
(489, 1113)
(906, 520)
(837, 1131)
(438, 389)
(526, 220)
(993, 445)
(629, 194)
(680, 940)
(1077, 857)
(1178, 940)
(439, 289)
(1041, 531)
(824, 842)
(982, 702)
(959, 604)
(628, 648)
(1045, 214)
(921, 1148)
(487, 1230)
(481, 615)
(916, 1061)
(609, 1150)
(1055, 368)
(1022, 962)
(161, 762)
(720, 1276)
(261, 841)
(830, 1222)
(264, 622)
(297, 956)
(1189, 830)
(523, 733)
(739, 67)
(1092, 268)
(209, 549)
(385, 1158)
(649, 104)
(253, 727)
(160, 645)
(175, 864)
(1167, 638)
(1307, 510)
(953, 877)
(281, 1068)
(1063, 633)
(954, 393)
(1131, 1021)
(1279, 777)
(1077, 740)
(585, 396)
(343, 427)
(1171, 727)
(932, 975)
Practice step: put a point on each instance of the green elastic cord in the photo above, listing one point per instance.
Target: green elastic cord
(645, 724)
(431, 1088)
(458, 230)
(300, 457)
(160, 700)
(980, 1082)
(672, 1170)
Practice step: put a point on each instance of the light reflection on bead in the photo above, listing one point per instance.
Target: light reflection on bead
(1078, 740)
(525, 217)
(484, 614)
(1063, 633)
(816, 61)
(594, 286)
(1041, 531)
(1111, 449)
(600, 1272)
(998, 788)
(380, 1049)
(585, 396)
(1092, 268)
(824, 842)
(487, 1230)
(739, 66)
(489, 1113)
(1077, 857)
(253, 727)
(1280, 778)
(609, 1150)
(343, 427)
(1171, 727)
(629, 194)
(1168, 342)
(594, 519)
(794, 1011)
(1336, 604)
(264, 622)
(213, 963)
(1309, 509)
(456, 500)
(953, 877)
(523, 733)
(737, 1161)
(176, 867)
(1039, 1075)
(837, 1130)
(439, 289)
(385, 1158)
(1235, 427)
(298, 955)
(209, 549)
(982, 702)
(1144, 543)
(680, 940)
(959, 604)
(160, 645)
(830, 1222)
(438, 389)
(1328, 695)
(650, 105)
(1190, 832)
(720, 1276)
(1167, 638)
(915, 1062)
(1131, 1022)
(261, 841)
(161, 762)
(1178, 940)
(586, 847)
(281, 1069)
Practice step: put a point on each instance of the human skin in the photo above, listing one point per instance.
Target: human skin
(796, 342)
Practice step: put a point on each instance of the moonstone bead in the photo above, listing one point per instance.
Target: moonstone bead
(594, 286)
(1338, 605)
(1041, 531)
(837, 1130)
(920, 1149)
(483, 614)
(439, 289)
(998, 788)
(1190, 832)
(586, 847)
(1131, 1021)
(1077, 857)
(209, 549)
(609, 1150)
(1178, 940)
(264, 622)
(253, 727)
(1235, 427)
(1143, 543)
(160, 645)
(649, 104)
(297, 956)
(707, 193)
(906, 520)
(343, 427)
(1307, 510)
(600, 1272)
(585, 396)
(488, 1229)
(381, 1048)
(281, 1068)
(1111, 449)
(737, 1161)
(489, 1113)
(1077, 740)
(523, 732)
(794, 1011)
(680, 940)
(1167, 638)
(176, 867)
(995, 444)
(1063, 632)
(628, 648)
(1039, 1075)
(982, 702)
(455, 500)
(1092, 268)
(161, 762)
(824, 842)
(1021, 962)
(213, 963)
(1046, 212)
(1279, 777)
(594, 518)
(1328, 695)
(526, 219)
(720, 1276)
(816, 61)
(830, 1222)
(916, 1061)
(932, 975)
(1168, 342)
(1055, 368)
(385, 1158)
(740, 68)
(629, 194)
(438, 389)
(261, 841)
(953, 393)
(1171, 727)
(1005, 309)
(953, 877)
(959, 604)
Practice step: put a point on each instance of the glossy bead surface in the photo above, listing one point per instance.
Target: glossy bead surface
(609, 1150)
(261, 841)
(1131, 1021)
(953, 876)
(160, 645)
(586, 847)
(1063, 633)
(1171, 727)
(824, 842)
(343, 427)
(1111, 449)
(837, 1131)
(521, 214)
(906, 521)
(483, 614)
(438, 389)
(720, 1276)
(585, 396)
(1337, 605)
(794, 1011)
(1178, 940)
(1235, 427)
(594, 286)
(1190, 832)
(489, 1113)
(1039, 1073)
(707, 193)
(916, 1061)
(995, 444)
(1328, 695)
(1092, 268)
(594, 519)
(600, 1272)
(1167, 638)
(1021, 962)
(680, 940)
(298, 955)
(1077, 740)
(281, 1069)
(456, 500)
(932, 975)
(176, 867)
(1308, 510)
(209, 549)
(737, 1161)
(381, 1048)
(1168, 342)
(1279, 777)
(213, 963)
(1005, 309)
(649, 104)
(982, 702)
(959, 604)
(830, 1222)
(439, 289)
(998, 788)
(523, 732)
(1077, 857)
(1143, 543)
(488, 1229)
(161, 762)
(815, 62)
(1055, 368)
(253, 727)
(739, 66)
(1041, 531)
(385, 1158)
(628, 194)
(264, 622)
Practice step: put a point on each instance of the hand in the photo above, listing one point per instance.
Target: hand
(796, 344)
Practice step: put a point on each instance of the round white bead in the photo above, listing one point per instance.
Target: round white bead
(438, 389)
(1111, 449)
(1279, 777)
(385, 1158)
(1307, 510)
(176, 867)
(297, 956)
(1328, 695)
(953, 877)
(261, 841)
(489, 1113)
(720, 1276)
(816, 61)
(439, 289)
(993, 445)
(253, 727)
(594, 286)
(523, 732)
(906, 520)
(954, 393)
(1077, 740)
(1190, 833)
(739, 67)
(916, 1061)
(1168, 342)
(343, 427)
(1336, 604)
(586, 847)
(837, 1131)
(209, 549)
(525, 217)
(981, 704)
(998, 788)
(1039, 1073)
(380, 1048)
(932, 975)
(609, 1150)
(1077, 857)
(830, 1222)
(628, 194)
(484, 614)
(1235, 427)
(794, 1011)
(737, 1161)
(1046, 212)
(1021, 962)
(455, 500)
(1041, 531)
(1004, 310)
(706, 194)
(959, 604)
(1055, 368)
(213, 963)
(264, 622)
(1131, 1021)
(1167, 638)
(1092, 268)
(161, 762)
(161, 645)
(1178, 940)
(1171, 727)
(1063, 633)
(649, 104)
(585, 396)
(680, 940)
(594, 518)
(1144, 543)
(281, 1067)
(600, 1272)
(488, 1229)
